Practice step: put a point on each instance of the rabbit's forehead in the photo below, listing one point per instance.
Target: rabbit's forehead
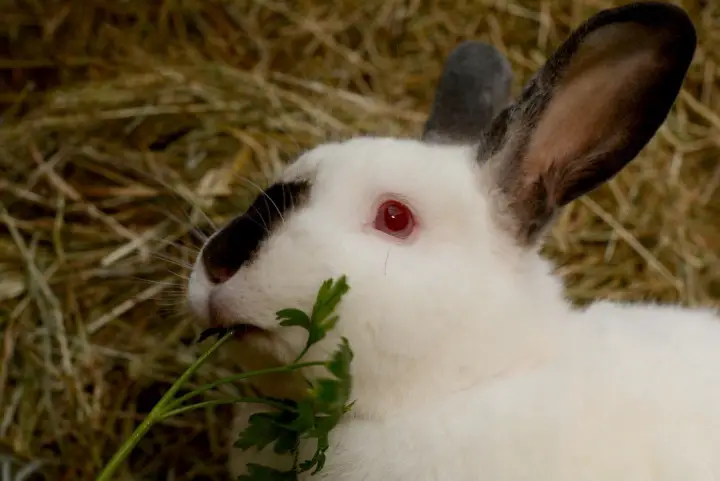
(382, 165)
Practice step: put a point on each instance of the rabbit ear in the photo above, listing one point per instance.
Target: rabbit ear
(589, 111)
(473, 87)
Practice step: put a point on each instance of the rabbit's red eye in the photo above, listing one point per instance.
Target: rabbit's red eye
(394, 218)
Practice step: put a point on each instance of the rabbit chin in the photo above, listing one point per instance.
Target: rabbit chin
(459, 303)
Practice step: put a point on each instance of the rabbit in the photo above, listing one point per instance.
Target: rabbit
(470, 363)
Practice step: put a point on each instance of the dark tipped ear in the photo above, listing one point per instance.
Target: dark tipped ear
(474, 85)
(590, 110)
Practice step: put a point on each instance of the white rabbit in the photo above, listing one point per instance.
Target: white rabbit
(469, 363)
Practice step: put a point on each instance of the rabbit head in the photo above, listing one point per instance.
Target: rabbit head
(439, 236)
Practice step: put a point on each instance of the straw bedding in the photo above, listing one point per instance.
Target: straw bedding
(130, 128)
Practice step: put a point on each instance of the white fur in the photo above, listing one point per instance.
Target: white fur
(469, 363)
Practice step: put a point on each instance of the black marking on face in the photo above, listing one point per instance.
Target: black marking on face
(238, 241)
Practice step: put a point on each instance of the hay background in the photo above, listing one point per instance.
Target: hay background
(122, 122)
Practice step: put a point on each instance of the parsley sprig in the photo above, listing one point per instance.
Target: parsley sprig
(311, 418)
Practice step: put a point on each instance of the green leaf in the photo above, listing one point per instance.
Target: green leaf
(339, 364)
(286, 442)
(260, 432)
(257, 472)
(348, 407)
(328, 298)
(313, 417)
(328, 395)
(329, 323)
(324, 424)
(318, 460)
(305, 420)
(293, 317)
(265, 428)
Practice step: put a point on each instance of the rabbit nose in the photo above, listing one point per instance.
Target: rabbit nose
(237, 242)
(226, 251)
(219, 274)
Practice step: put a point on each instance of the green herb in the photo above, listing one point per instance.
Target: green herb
(313, 417)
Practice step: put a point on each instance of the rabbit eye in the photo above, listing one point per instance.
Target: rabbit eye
(394, 218)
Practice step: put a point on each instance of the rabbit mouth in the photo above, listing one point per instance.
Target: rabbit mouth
(239, 331)
(242, 330)
(221, 323)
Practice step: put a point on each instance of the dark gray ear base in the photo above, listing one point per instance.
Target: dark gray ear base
(473, 87)
(589, 111)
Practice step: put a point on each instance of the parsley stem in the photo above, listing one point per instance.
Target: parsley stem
(243, 376)
(302, 354)
(218, 402)
(156, 414)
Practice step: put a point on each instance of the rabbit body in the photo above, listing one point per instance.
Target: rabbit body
(637, 398)
(469, 362)
(622, 392)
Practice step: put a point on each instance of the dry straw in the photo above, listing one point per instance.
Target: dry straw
(130, 128)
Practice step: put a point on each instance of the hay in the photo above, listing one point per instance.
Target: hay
(125, 124)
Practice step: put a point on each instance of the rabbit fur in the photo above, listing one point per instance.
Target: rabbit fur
(470, 364)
